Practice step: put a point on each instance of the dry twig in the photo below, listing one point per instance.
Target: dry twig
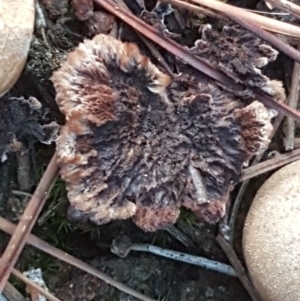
(12, 294)
(180, 236)
(270, 164)
(28, 219)
(122, 246)
(33, 285)
(38, 243)
(293, 102)
(287, 6)
(239, 269)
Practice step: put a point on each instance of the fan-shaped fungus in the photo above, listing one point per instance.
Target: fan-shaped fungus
(271, 236)
(137, 145)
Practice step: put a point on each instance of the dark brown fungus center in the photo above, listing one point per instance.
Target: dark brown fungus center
(136, 145)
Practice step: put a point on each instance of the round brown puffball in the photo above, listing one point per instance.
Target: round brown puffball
(16, 27)
(271, 238)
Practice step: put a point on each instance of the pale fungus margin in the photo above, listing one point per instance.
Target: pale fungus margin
(271, 237)
(16, 28)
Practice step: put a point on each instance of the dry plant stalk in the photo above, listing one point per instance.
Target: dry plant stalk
(288, 6)
(34, 286)
(12, 294)
(28, 219)
(264, 22)
(38, 243)
(238, 267)
(293, 102)
(210, 13)
(270, 164)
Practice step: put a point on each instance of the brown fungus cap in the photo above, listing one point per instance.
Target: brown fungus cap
(241, 56)
(138, 145)
(271, 238)
(83, 9)
(55, 8)
(16, 27)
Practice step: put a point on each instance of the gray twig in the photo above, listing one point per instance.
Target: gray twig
(121, 246)
(180, 236)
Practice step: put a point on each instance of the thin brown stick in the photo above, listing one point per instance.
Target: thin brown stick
(141, 3)
(190, 59)
(12, 294)
(38, 243)
(180, 236)
(266, 12)
(238, 267)
(265, 22)
(179, 19)
(209, 12)
(33, 285)
(157, 55)
(28, 219)
(287, 6)
(293, 102)
(270, 164)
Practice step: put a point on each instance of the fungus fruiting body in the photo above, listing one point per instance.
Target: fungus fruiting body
(55, 8)
(83, 9)
(21, 121)
(16, 27)
(100, 22)
(240, 55)
(271, 236)
(138, 145)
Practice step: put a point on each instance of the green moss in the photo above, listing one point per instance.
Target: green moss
(188, 217)
(161, 238)
(18, 284)
(94, 232)
(56, 227)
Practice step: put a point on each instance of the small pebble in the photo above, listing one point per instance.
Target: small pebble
(209, 293)
(222, 289)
